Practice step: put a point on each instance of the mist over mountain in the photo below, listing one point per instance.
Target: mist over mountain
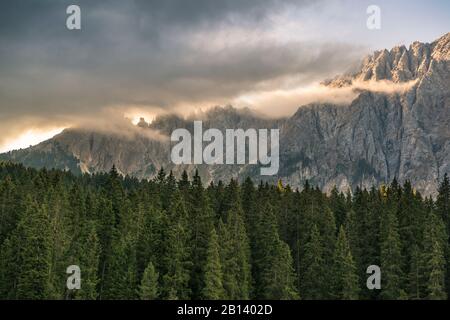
(396, 126)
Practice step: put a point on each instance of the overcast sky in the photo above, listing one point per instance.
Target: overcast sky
(150, 56)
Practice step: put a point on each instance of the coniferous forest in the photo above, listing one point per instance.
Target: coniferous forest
(178, 239)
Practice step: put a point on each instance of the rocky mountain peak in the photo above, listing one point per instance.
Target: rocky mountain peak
(441, 48)
(400, 64)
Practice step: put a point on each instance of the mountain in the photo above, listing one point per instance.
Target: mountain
(379, 136)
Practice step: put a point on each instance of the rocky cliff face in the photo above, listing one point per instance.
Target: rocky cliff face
(378, 136)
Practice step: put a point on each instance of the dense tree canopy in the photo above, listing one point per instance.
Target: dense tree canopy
(169, 239)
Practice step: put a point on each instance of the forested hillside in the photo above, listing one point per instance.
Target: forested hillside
(169, 239)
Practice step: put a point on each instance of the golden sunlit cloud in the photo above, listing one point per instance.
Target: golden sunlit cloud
(29, 138)
(284, 102)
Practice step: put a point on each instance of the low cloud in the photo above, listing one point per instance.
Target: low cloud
(284, 103)
(383, 86)
(113, 123)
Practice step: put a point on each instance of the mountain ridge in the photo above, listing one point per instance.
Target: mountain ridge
(377, 137)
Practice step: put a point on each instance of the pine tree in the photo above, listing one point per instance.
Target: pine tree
(274, 275)
(213, 283)
(433, 267)
(215, 197)
(106, 232)
(248, 200)
(313, 268)
(62, 233)
(287, 216)
(231, 199)
(148, 289)
(148, 246)
(414, 276)
(364, 233)
(201, 221)
(325, 221)
(116, 194)
(390, 256)
(338, 206)
(443, 210)
(121, 279)
(161, 177)
(168, 187)
(34, 254)
(184, 185)
(235, 256)
(412, 215)
(352, 232)
(436, 278)
(280, 280)
(78, 208)
(175, 260)
(345, 284)
(443, 202)
(86, 255)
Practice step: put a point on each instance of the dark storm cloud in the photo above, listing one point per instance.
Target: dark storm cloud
(149, 53)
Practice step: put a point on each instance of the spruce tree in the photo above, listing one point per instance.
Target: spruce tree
(148, 289)
(184, 185)
(412, 215)
(148, 247)
(77, 205)
(313, 268)
(327, 227)
(443, 210)
(231, 199)
(415, 282)
(364, 233)
(433, 266)
(390, 256)
(86, 254)
(201, 220)
(116, 193)
(175, 256)
(353, 237)
(235, 256)
(345, 278)
(436, 277)
(62, 233)
(107, 229)
(279, 282)
(213, 281)
(338, 206)
(443, 202)
(121, 279)
(34, 254)
(249, 207)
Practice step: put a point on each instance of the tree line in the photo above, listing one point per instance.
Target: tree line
(177, 239)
